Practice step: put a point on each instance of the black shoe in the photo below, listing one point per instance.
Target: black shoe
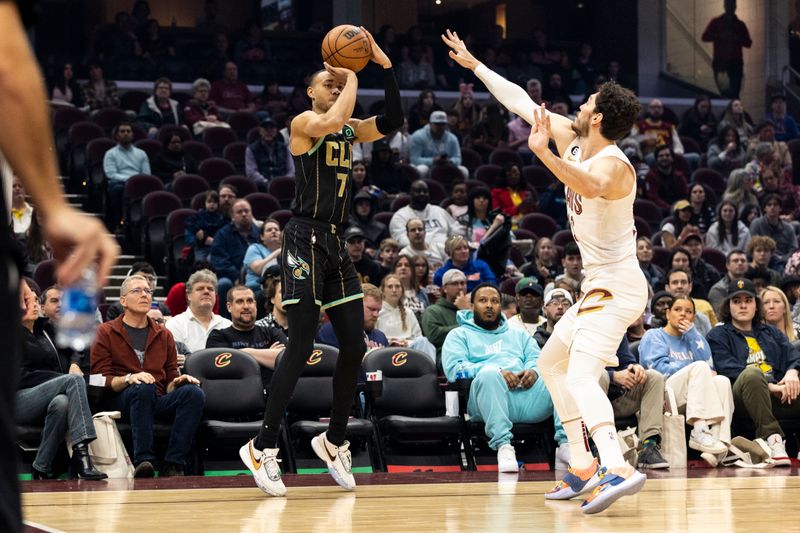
(144, 470)
(38, 475)
(170, 470)
(81, 467)
(650, 458)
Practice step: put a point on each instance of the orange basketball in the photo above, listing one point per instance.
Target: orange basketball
(346, 46)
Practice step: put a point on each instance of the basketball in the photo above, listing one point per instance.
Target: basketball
(346, 46)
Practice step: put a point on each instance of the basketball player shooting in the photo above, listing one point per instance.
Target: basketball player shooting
(317, 271)
(600, 190)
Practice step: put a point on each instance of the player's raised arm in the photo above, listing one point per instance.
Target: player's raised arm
(378, 126)
(512, 96)
(325, 118)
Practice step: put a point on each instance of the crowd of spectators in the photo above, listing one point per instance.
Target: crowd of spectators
(451, 203)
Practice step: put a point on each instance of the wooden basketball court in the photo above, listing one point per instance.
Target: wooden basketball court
(710, 500)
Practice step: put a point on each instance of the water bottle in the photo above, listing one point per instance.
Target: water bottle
(76, 327)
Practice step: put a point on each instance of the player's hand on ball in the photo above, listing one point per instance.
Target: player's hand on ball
(459, 52)
(540, 130)
(378, 55)
(340, 73)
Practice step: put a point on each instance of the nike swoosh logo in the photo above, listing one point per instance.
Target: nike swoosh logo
(256, 462)
(332, 456)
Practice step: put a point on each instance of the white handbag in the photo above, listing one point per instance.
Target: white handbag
(673, 432)
(107, 451)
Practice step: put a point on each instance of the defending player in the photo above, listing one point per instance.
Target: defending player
(600, 190)
(317, 271)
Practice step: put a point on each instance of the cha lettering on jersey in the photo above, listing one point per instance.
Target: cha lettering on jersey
(338, 154)
(574, 201)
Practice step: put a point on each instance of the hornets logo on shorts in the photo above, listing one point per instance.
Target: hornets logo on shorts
(299, 266)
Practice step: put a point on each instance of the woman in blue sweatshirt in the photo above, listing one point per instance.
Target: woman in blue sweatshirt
(682, 354)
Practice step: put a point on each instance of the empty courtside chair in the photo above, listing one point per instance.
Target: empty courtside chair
(408, 408)
(282, 216)
(710, 177)
(311, 401)
(235, 153)
(215, 169)
(218, 138)
(540, 224)
(186, 186)
(243, 184)
(136, 188)
(155, 208)
(470, 159)
(241, 122)
(282, 188)
(151, 147)
(445, 175)
(231, 380)
(538, 177)
(96, 182)
(108, 118)
(78, 137)
(436, 191)
(176, 225)
(262, 204)
(63, 118)
(488, 174)
(197, 150)
(501, 156)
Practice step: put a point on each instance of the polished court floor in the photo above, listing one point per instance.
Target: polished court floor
(707, 500)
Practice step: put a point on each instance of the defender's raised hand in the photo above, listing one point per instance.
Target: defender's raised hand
(540, 130)
(459, 51)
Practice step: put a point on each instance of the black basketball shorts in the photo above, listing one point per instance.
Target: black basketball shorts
(315, 262)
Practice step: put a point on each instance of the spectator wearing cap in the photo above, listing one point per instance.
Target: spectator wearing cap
(665, 183)
(476, 270)
(434, 145)
(269, 156)
(193, 325)
(261, 255)
(364, 208)
(785, 126)
(368, 270)
(674, 231)
(735, 267)
(704, 274)
(434, 252)
(556, 304)
(438, 223)
(529, 306)
(502, 362)
(199, 112)
(761, 364)
(771, 225)
(440, 318)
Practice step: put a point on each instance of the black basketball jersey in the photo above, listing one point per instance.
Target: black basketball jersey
(323, 178)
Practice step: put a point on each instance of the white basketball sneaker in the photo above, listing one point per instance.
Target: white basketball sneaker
(265, 468)
(337, 458)
(507, 459)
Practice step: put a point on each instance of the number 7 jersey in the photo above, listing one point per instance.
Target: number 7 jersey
(323, 178)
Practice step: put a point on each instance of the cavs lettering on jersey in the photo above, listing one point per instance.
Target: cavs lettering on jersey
(324, 178)
(603, 229)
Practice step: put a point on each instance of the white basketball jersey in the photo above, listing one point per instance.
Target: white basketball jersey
(603, 229)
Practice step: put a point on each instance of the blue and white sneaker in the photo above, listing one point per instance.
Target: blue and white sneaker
(575, 482)
(614, 484)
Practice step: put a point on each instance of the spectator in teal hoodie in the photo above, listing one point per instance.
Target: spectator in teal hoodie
(502, 362)
(682, 354)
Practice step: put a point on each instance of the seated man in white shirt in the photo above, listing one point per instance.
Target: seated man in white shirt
(417, 245)
(193, 325)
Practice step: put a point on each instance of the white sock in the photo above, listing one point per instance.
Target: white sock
(605, 438)
(580, 456)
(700, 426)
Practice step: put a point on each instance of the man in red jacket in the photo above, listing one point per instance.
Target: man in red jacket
(136, 356)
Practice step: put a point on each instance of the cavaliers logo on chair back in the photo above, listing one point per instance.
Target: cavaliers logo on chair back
(314, 358)
(399, 359)
(223, 360)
